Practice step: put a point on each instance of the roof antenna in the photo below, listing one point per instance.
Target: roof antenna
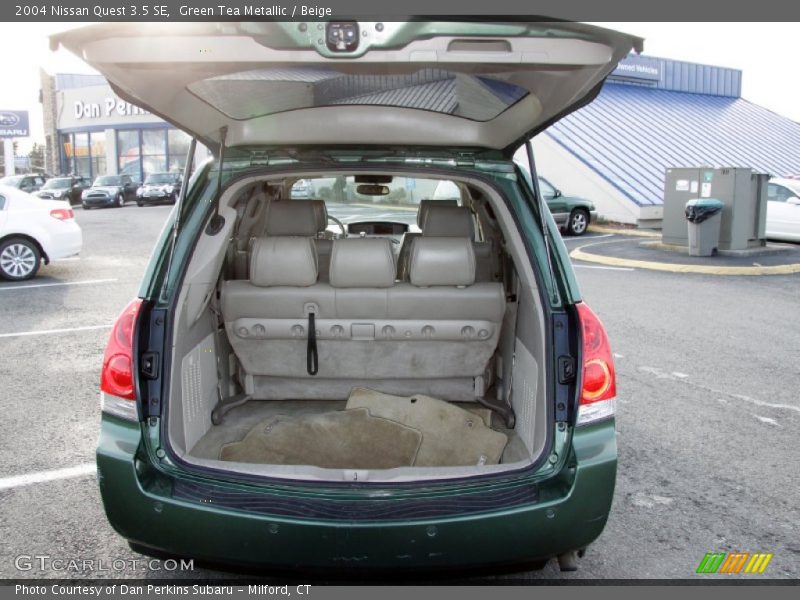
(217, 221)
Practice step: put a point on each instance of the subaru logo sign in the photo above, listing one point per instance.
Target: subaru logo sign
(14, 123)
(8, 119)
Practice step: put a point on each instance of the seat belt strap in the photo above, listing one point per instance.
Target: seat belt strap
(312, 360)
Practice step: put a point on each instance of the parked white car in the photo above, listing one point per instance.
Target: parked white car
(32, 231)
(783, 209)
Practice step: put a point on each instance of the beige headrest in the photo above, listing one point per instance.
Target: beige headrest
(283, 260)
(292, 217)
(448, 221)
(426, 204)
(362, 262)
(442, 261)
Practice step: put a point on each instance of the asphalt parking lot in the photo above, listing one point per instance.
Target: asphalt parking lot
(708, 411)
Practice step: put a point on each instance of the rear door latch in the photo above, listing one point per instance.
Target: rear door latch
(566, 369)
(149, 365)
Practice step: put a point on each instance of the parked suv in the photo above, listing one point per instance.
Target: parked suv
(159, 188)
(571, 213)
(26, 183)
(305, 383)
(63, 188)
(109, 190)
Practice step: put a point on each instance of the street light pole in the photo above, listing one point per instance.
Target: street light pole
(8, 153)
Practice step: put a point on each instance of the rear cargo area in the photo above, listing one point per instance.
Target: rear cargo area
(369, 431)
(379, 357)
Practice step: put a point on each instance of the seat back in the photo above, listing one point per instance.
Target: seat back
(324, 245)
(447, 219)
(251, 215)
(408, 238)
(307, 218)
(441, 329)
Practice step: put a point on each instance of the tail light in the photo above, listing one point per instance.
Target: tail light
(599, 378)
(62, 214)
(117, 380)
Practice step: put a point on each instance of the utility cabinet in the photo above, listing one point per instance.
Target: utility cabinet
(742, 191)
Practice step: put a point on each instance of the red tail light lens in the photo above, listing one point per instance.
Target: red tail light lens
(599, 378)
(62, 214)
(117, 375)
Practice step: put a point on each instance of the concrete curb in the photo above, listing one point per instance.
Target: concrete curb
(622, 231)
(580, 254)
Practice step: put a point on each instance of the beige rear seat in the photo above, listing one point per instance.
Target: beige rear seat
(441, 329)
(449, 220)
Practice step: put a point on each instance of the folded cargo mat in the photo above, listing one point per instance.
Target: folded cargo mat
(349, 439)
(451, 436)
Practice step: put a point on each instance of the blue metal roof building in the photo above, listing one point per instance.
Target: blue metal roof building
(654, 114)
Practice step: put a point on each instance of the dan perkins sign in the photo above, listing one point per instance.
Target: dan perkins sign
(97, 106)
(14, 123)
(108, 108)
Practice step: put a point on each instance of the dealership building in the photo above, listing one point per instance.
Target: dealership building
(652, 114)
(89, 131)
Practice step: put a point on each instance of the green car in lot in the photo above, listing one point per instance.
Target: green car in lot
(571, 213)
(295, 390)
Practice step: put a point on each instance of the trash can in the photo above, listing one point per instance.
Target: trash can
(704, 216)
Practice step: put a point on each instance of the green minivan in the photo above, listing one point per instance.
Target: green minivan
(321, 383)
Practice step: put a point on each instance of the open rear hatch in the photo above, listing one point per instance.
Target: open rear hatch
(490, 85)
(437, 85)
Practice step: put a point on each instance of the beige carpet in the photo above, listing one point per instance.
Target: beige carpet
(451, 436)
(484, 413)
(350, 439)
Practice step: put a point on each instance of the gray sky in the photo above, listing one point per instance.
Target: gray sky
(765, 52)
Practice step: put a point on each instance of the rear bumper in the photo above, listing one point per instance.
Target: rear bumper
(569, 513)
(65, 242)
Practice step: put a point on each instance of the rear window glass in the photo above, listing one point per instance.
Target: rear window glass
(261, 92)
(399, 202)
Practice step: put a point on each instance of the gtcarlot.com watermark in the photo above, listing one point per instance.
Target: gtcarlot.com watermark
(67, 566)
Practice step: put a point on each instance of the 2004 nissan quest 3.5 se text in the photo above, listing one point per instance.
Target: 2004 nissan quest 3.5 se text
(362, 372)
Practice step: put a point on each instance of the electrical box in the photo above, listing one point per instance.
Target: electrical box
(742, 191)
